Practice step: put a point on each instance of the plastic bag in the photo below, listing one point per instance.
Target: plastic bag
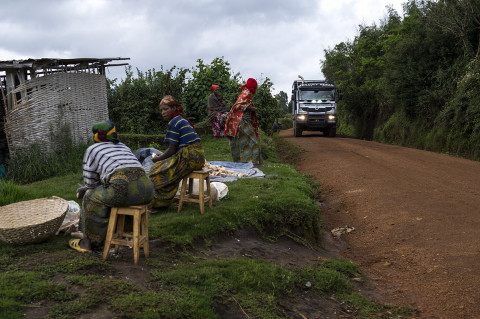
(72, 217)
(221, 190)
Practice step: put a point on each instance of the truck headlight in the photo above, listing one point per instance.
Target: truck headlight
(301, 117)
(331, 117)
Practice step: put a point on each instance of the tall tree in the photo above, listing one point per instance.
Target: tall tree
(282, 100)
(461, 20)
(197, 89)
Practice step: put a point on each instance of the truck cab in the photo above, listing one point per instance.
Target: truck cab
(314, 107)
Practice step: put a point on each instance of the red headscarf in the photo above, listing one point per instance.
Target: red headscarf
(214, 86)
(251, 85)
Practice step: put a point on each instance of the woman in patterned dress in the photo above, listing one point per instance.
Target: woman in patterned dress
(113, 177)
(217, 111)
(183, 155)
(241, 127)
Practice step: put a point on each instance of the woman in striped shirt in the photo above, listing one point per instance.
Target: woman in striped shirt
(183, 155)
(113, 177)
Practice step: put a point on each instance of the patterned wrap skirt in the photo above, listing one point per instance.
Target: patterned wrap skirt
(218, 124)
(167, 174)
(245, 146)
(126, 187)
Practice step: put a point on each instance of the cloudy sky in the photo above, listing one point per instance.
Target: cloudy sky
(278, 39)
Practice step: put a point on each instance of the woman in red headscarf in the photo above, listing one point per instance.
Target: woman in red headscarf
(241, 126)
(217, 111)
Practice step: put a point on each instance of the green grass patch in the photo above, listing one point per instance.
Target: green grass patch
(274, 206)
(20, 288)
(105, 291)
(73, 262)
(62, 186)
(34, 164)
(12, 193)
(365, 308)
(83, 280)
(216, 149)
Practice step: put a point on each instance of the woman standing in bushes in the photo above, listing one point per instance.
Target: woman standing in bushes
(113, 178)
(217, 111)
(241, 126)
(183, 155)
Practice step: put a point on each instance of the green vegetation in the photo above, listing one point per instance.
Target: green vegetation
(275, 207)
(133, 103)
(34, 164)
(12, 193)
(413, 81)
(183, 283)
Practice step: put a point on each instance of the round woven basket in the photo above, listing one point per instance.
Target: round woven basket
(32, 221)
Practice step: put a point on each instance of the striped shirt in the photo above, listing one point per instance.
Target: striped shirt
(101, 160)
(180, 133)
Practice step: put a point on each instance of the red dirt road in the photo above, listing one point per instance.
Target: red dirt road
(416, 216)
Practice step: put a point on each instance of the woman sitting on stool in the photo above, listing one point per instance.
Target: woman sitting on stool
(113, 177)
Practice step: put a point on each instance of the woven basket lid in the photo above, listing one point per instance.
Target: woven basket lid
(33, 220)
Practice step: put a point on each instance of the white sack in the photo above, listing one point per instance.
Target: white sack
(219, 190)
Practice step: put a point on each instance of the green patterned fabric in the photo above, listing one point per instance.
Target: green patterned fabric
(245, 146)
(127, 186)
(104, 132)
(167, 174)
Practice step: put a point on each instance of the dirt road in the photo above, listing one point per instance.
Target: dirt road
(416, 216)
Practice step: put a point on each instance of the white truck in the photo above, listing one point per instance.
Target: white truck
(314, 107)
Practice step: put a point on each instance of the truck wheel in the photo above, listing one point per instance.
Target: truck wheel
(332, 132)
(297, 132)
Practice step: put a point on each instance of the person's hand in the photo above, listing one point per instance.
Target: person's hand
(156, 157)
(81, 192)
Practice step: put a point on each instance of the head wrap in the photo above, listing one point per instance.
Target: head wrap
(105, 132)
(251, 85)
(214, 86)
(172, 102)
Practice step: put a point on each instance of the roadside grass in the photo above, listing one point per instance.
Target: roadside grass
(182, 285)
(274, 206)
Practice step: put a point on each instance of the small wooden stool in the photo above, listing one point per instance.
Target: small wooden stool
(119, 238)
(188, 197)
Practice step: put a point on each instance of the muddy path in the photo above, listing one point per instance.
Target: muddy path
(416, 216)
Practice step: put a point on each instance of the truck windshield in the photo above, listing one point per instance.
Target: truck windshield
(317, 95)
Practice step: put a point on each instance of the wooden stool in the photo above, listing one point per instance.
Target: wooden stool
(188, 197)
(119, 238)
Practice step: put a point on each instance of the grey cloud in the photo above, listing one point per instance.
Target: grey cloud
(275, 38)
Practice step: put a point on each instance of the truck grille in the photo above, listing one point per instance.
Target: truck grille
(312, 108)
(316, 120)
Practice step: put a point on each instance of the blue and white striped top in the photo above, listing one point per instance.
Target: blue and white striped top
(180, 133)
(101, 160)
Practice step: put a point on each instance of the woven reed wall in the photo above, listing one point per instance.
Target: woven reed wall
(49, 102)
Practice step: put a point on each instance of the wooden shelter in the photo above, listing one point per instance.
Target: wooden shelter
(39, 96)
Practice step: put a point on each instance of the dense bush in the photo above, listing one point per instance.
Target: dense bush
(133, 104)
(285, 122)
(413, 81)
(197, 89)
